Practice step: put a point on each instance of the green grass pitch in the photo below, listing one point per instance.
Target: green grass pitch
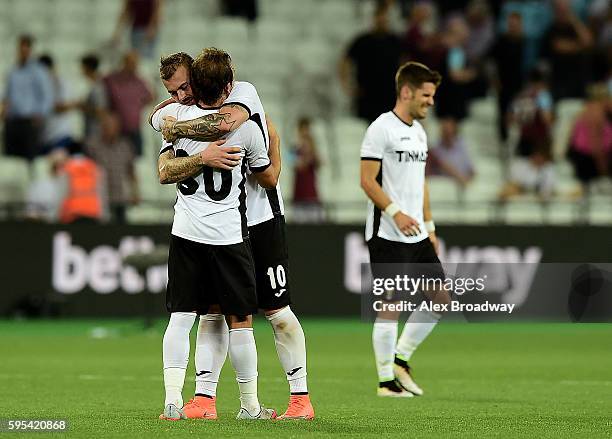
(480, 380)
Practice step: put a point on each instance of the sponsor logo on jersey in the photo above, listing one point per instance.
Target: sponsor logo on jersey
(411, 156)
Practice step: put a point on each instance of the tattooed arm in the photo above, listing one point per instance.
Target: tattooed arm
(207, 128)
(172, 169)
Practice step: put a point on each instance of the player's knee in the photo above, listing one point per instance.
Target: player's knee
(269, 312)
(441, 297)
(240, 321)
(214, 309)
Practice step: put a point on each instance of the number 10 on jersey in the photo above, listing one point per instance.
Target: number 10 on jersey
(279, 277)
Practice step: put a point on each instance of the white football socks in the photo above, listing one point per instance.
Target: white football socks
(290, 347)
(176, 355)
(210, 353)
(384, 337)
(243, 355)
(418, 326)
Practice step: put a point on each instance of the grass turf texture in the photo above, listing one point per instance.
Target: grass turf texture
(480, 380)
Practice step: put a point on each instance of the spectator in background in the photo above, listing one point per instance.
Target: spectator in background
(482, 30)
(533, 112)
(240, 8)
(480, 38)
(45, 195)
(28, 101)
(85, 199)
(600, 21)
(453, 94)
(115, 157)
(417, 41)
(450, 157)
(59, 129)
(374, 57)
(534, 174)
(307, 206)
(507, 56)
(590, 148)
(143, 17)
(567, 47)
(128, 95)
(96, 100)
(536, 17)
(447, 8)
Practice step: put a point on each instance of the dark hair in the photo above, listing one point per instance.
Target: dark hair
(414, 75)
(169, 64)
(46, 60)
(211, 72)
(75, 147)
(90, 62)
(26, 39)
(303, 121)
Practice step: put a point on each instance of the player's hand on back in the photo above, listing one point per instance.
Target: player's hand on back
(222, 157)
(407, 225)
(167, 129)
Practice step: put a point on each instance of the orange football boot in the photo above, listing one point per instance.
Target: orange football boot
(299, 408)
(200, 407)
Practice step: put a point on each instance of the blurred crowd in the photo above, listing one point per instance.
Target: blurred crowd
(531, 54)
(91, 171)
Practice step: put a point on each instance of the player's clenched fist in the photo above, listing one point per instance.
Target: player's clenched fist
(408, 225)
(167, 129)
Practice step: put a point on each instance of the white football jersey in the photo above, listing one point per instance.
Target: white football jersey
(402, 151)
(211, 206)
(262, 204)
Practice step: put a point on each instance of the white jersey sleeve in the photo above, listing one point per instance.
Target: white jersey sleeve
(245, 95)
(255, 147)
(373, 145)
(168, 110)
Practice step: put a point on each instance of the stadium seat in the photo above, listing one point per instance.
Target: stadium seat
(566, 113)
(14, 179)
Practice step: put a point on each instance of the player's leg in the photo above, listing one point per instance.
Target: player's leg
(235, 284)
(182, 303)
(210, 353)
(383, 253)
(176, 358)
(270, 252)
(291, 349)
(420, 323)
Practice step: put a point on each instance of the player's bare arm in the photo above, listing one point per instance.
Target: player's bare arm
(207, 128)
(369, 170)
(274, 151)
(267, 178)
(427, 217)
(173, 169)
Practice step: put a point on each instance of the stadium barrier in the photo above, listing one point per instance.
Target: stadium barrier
(81, 270)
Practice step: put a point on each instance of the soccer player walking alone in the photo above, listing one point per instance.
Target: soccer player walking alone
(399, 226)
